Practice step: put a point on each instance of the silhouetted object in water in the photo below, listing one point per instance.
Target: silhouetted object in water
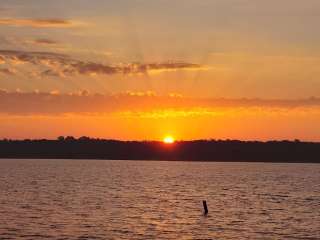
(205, 207)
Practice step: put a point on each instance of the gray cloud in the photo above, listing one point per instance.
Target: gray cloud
(38, 103)
(63, 65)
(28, 56)
(44, 41)
(7, 71)
(36, 23)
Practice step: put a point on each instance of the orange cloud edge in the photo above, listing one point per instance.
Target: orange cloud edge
(142, 104)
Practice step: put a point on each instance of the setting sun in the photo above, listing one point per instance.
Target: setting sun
(168, 140)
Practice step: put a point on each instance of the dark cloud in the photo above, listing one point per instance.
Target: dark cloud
(63, 65)
(44, 41)
(41, 59)
(37, 23)
(37, 103)
(7, 71)
(31, 56)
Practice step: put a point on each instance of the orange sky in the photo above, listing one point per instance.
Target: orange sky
(137, 116)
(139, 69)
(244, 126)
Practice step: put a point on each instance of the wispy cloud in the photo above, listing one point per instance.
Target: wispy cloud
(37, 23)
(7, 71)
(64, 65)
(44, 41)
(36, 58)
(140, 104)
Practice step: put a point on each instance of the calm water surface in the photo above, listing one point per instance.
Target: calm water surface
(68, 199)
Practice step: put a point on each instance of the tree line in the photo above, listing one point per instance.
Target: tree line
(201, 150)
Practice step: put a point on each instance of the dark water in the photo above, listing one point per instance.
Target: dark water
(65, 199)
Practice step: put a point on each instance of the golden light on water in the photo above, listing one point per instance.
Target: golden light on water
(168, 140)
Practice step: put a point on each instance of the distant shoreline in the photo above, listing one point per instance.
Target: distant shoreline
(195, 151)
(155, 160)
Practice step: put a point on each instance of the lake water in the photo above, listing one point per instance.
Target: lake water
(72, 199)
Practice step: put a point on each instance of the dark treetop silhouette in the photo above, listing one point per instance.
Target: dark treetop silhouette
(201, 150)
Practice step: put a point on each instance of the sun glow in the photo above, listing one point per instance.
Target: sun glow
(168, 140)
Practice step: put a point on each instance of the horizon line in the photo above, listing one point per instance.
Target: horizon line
(86, 138)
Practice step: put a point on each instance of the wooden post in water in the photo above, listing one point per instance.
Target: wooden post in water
(205, 207)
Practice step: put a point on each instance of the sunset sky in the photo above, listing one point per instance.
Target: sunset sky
(144, 69)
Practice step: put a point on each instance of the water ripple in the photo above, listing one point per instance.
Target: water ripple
(78, 200)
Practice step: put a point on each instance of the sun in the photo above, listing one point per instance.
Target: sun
(168, 140)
